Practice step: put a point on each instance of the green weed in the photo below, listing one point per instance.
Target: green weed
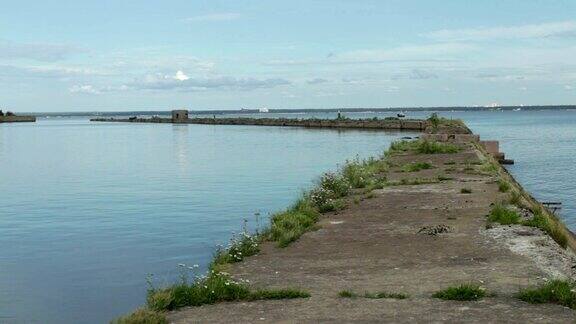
(416, 166)
(501, 214)
(423, 147)
(240, 247)
(379, 295)
(278, 294)
(464, 292)
(554, 292)
(431, 147)
(347, 294)
(142, 316)
(489, 167)
(553, 230)
(443, 177)
(515, 198)
(216, 287)
(288, 226)
(503, 186)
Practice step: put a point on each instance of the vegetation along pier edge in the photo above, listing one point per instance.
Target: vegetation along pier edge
(434, 229)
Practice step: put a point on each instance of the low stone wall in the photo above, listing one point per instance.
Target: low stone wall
(17, 119)
(410, 124)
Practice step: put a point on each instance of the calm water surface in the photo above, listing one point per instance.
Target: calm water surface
(88, 210)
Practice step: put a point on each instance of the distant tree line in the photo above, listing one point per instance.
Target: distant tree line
(8, 113)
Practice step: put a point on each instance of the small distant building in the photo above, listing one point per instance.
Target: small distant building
(263, 110)
(179, 116)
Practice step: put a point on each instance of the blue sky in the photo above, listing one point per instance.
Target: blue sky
(151, 55)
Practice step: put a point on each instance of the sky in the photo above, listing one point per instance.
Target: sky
(111, 55)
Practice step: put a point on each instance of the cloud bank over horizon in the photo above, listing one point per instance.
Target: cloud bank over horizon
(319, 55)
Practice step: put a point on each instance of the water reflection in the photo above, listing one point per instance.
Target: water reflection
(180, 138)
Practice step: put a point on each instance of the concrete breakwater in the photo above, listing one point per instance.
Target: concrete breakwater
(17, 119)
(385, 124)
(393, 239)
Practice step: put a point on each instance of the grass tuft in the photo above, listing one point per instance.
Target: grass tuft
(503, 215)
(559, 236)
(362, 173)
(378, 295)
(286, 227)
(443, 177)
(216, 287)
(431, 147)
(278, 294)
(555, 292)
(347, 294)
(240, 247)
(402, 146)
(464, 292)
(336, 184)
(503, 186)
(413, 181)
(542, 222)
(515, 198)
(416, 166)
(423, 147)
(489, 167)
(142, 316)
(422, 181)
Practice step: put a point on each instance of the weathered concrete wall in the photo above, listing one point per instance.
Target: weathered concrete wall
(465, 138)
(492, 147)
(435, 137)
(17, 119)
(457, 138)
(571, 237)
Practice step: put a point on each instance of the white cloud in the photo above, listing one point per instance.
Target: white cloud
(554, 29)
(224, 16)
(135, 61)
(182, 82)
(84, 89)
(568, 87)
(180, 76)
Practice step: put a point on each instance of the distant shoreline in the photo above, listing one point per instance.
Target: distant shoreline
(295, 111)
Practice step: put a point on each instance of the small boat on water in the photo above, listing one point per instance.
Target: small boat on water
(400, 115)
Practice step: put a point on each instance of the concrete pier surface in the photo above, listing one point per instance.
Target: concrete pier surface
(379, 242)
(390, 124)
(425, 223)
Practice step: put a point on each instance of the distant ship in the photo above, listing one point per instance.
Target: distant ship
(400, 115)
